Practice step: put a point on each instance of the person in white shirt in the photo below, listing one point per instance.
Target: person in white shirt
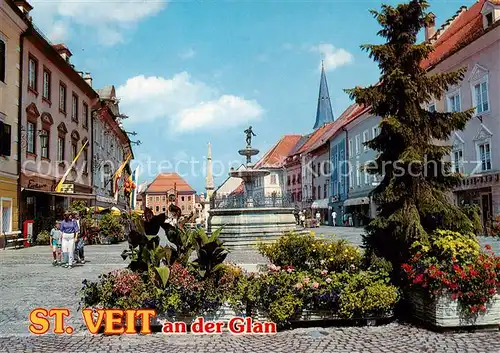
(334, 218)
(318, 218)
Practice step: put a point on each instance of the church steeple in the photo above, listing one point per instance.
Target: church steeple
(324, 113)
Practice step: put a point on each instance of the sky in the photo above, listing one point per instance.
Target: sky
(192, 72)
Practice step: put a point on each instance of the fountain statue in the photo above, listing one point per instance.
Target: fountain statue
(245, 218)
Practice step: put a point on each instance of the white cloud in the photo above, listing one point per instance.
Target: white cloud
(188, 54)
(185, 104)
(333, 57)
(110, 19)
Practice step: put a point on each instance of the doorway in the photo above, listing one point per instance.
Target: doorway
(486, 210)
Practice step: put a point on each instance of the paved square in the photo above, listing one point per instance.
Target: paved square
(28, 280)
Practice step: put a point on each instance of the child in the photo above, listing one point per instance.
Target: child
(55, 243)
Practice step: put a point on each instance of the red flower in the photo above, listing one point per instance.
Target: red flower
(473, 273)
(418, 279)
(473, 308)
(457, 268)
(454, 296)
(454, 259)
(488, 247)
(492, 291)
(406, 267)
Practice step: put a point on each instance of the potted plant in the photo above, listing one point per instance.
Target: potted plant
(452, 283)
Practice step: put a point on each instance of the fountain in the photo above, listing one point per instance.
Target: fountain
(246, 219)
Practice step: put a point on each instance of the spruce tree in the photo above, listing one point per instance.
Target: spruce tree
(413, 196)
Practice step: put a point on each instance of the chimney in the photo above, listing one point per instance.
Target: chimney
(88, 78)
(24, 6)
(430, 28)
(63, 51)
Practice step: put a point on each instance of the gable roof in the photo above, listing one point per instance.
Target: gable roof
(275, 157)
(168, 181)
(465, 27)
(239, 190)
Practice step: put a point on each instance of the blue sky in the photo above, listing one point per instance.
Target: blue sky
(190, 72)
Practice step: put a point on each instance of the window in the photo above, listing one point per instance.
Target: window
(183, 207)
(164, 198)
(350, 147)
(30, 136)
(74, 107)
(86, 160)
(6, 215)
(189, 198)
(85, 115)
(351, 178)
(357, 144)
(319, 191)
(299, 179)
(32, 73)
(485, 156)
(288, 180)
(358, 177)
(73, 151)
(325, 191)
(454, 103)
(432, 108)
(273, 179)
(489, 19)
(157, 198)
(365, 139)
(457, 161)
(481, 97)
(314, 193)
(46, 85)
(5, 139)
(375, 131)
(163, 209)
(3, 60)
(44, 143)
(62, 97)
(182, 198)
(157, 208)
(60, 149)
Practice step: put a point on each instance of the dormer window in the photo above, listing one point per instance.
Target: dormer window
(489, 19)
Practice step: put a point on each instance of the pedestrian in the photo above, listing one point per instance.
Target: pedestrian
(350, 220)
(55, 243)
(334, 218)
(303, 219)
(318, 218)
(80, 242)
(69, 229)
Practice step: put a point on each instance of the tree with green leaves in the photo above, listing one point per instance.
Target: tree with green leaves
(413, 196)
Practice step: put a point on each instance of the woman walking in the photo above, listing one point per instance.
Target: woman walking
(69, 229)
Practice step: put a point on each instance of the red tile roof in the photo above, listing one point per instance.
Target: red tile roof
(275, 157)
(239, 190)
(168, 181)
(464, 28)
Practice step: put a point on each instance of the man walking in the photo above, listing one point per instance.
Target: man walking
(69, 229)
(334, 218)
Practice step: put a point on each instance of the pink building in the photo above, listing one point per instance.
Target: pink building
(55, 124)
(471, 39)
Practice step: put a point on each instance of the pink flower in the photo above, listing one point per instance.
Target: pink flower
(298, 286)
(324, 272)
(328, 280)
(306, 280)
(315, 285)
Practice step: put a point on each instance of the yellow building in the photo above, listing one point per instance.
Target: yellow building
(13, 25)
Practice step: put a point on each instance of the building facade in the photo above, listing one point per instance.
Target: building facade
(275, 184)
(167, 189)
(13, 25)
(293, 170)
(55, 127)
(111, 147)
(471, 39)
(359, 203)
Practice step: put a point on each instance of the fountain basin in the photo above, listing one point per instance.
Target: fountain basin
(249, 151)
(245, 227)
(249, 174)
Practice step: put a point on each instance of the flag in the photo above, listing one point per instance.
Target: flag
(118, 175)
(134, 178)
(63, 179)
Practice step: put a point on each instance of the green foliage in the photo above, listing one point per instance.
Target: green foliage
(111, 227)
(78, 206)
(306, 251)
(43, 238)
(446, 244)
(43, 223)
(210, 252)
(412, 194)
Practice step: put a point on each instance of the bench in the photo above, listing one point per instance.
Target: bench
(13, 238)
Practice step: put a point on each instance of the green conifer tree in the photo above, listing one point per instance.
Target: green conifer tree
(413, 195)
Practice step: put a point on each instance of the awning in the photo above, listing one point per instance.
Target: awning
(62, 194)
(357, 201)
(320, 204)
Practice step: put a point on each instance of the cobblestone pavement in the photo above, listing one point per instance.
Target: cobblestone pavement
(28, 281)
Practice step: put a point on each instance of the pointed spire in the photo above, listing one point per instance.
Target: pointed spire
(209, 181)
(324, 113)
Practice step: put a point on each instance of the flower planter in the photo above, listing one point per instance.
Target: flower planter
(444, 312)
